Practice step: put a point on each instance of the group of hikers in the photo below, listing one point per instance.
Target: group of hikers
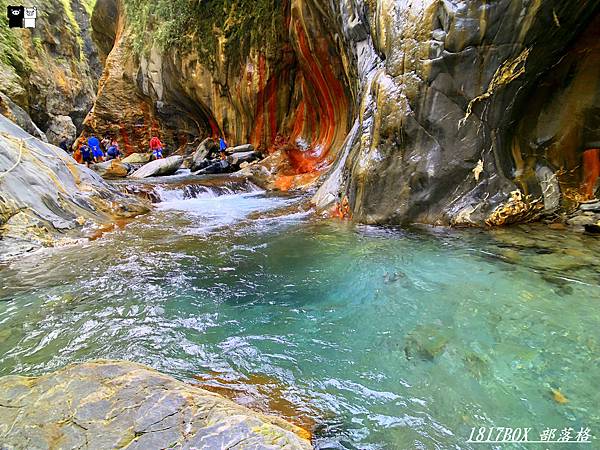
(91, 150)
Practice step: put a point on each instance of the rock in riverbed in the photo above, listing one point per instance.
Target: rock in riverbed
(112, 169)
(117, 404)
(137, 158)
(160, 167)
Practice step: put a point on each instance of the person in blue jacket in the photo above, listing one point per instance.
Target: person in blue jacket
(222, 144)
(94, 145)
(86, 154)
(113, 151)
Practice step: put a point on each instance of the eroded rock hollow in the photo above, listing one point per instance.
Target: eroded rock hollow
(271, 73)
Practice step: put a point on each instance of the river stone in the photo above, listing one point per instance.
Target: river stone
(116, 404)
(137, 158)
(241, 149)
(425, 342)
(240, 157)
(167, 166)
(207, 146)
(112, 169)
(60, 128)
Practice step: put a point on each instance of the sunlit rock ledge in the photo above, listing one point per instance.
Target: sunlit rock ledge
(119, 404)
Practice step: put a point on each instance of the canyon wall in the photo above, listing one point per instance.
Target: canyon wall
(448, 97)
(434, 111)
(273, 73)
(49, 74)
(422, 111)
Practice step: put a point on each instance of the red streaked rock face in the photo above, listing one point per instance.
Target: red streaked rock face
(296, 91)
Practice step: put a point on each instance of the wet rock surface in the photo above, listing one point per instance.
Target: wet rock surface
(112, 169)
(45, 194)
(117, 404)
(166, 166)
(443, 84)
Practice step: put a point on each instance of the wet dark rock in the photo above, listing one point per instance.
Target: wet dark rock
(206, 148)
(593, 228)
(116, 404)
(238, 158)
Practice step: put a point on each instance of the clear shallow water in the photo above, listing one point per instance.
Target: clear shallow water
(382, 338)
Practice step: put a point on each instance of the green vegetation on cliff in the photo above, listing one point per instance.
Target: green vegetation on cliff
(11, 49)
(188, 24)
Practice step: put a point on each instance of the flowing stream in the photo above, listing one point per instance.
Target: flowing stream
(374, 338)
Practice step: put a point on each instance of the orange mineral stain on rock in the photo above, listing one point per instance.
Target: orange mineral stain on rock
(259, 392)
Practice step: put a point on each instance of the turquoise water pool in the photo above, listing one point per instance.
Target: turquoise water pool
(380, 338)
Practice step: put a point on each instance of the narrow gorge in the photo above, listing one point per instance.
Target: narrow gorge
(330, 224)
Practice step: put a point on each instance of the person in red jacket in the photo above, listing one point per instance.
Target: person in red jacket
(156, 147)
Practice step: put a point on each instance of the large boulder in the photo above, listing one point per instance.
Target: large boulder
(60, 128)
(206, 147)
(160, 167)
(117, 404)
(45, 196)
(242, 157)
(112, 169)
(18, 115)
(137, 158)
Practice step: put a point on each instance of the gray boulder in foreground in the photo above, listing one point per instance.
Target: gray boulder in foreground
(160, 167)
(118, 404)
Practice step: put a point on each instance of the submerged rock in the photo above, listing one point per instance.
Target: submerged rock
(116, 404)
(160, 167)
(425, 342)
